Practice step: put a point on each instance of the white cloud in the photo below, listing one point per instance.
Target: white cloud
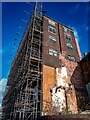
(74, 9)
(75, 31)
(1, 51)
(3, 82)
(85, 27)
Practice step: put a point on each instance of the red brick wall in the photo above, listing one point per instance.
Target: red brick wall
(49, 79)
(75, 74)
(63, 41)
(76, 78)
(47, 44)
(59, 46)
(78, 48)
(85, 65)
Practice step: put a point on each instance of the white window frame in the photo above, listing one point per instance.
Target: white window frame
(50, 52)
(51, 31)
(71, 58)
(52, 38)
(69, 46)
(53, 52)
(68, 37)
(51, 22)
(66, 30)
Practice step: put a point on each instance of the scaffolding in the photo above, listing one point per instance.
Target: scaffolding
(23, 98)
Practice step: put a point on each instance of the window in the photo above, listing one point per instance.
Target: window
(68, 37)
(69, 46)
(52, 38)
(52, 30)
(66, 30)
(51, 22)
(53, 52)
(71, 58)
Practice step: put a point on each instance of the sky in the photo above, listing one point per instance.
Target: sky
(74, 15)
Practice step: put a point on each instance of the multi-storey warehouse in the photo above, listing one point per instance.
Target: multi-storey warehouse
(45, 76)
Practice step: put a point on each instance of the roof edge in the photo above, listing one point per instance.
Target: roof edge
(58, 22)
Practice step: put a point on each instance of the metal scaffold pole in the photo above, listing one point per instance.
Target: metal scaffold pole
(23, 100)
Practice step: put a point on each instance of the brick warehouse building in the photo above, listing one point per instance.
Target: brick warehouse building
(46, 75)
(61, 55)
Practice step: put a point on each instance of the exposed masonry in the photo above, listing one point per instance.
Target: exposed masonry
(61, 77)
(62, 91)
(68, 90)
(58, 99)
